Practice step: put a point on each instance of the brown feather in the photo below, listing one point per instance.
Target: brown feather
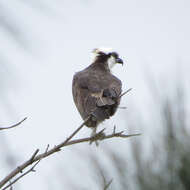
(96, 91)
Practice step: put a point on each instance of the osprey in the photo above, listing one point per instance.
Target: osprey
(96, 91)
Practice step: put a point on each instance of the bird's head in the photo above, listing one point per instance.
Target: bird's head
(107, 55)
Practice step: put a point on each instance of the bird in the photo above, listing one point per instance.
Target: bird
(96, 91)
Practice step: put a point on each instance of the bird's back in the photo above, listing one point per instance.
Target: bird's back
(96, 92)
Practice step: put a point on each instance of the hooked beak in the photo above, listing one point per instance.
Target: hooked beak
(119, 61)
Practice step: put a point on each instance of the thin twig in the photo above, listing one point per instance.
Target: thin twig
(15, 125)
(33, 156)
(122, 107)
(125, 92)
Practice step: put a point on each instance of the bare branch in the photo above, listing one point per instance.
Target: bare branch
(15, 125)
(37, 158)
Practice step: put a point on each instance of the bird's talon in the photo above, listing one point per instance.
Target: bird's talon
(97, 136)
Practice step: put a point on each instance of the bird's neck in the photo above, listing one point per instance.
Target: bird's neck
(102, 66)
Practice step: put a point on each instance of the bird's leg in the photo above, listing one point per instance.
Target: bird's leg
(93, 135)
(97, 136)
(94, 131)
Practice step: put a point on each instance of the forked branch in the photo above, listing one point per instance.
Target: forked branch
(38, 157)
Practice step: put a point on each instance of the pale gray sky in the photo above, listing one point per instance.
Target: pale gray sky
(43, 43)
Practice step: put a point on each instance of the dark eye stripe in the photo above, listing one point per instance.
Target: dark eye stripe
(115, 54)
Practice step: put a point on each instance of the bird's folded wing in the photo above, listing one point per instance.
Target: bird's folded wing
(105, 101)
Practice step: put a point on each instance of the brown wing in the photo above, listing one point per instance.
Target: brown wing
(96, 93)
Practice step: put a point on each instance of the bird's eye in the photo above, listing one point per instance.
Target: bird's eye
(109, 54)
